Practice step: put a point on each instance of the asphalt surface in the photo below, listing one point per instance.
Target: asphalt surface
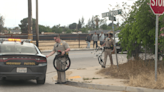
(30, 86)
(84, 59)
(79, 59)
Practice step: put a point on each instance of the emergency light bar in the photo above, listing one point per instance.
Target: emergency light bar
(15, 39)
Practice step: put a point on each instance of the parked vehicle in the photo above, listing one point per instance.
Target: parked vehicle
(21, 60)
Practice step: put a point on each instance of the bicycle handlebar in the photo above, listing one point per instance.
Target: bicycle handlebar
(59, 54)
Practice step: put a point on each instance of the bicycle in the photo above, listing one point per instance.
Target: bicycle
(58, 60)
(99, 55)
(95, 50)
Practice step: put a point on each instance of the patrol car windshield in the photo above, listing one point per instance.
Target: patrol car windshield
(8, 48)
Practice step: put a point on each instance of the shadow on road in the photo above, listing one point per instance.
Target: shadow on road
(12, 83)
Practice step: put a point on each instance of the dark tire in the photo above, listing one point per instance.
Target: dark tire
(101, 62)
(68, 64)
(41, 81)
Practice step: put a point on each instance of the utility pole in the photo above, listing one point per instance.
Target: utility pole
(36, 24)
(114, 41)
(30, 33)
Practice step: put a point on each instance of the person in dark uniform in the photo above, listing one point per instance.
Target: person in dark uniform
(109, 49)
(64, 48)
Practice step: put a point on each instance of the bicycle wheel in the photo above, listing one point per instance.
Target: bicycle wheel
(66, 64)
(101, 62)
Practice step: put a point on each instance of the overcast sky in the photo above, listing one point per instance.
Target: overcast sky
(54, 12)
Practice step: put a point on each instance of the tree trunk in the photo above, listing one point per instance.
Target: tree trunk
(136, 52)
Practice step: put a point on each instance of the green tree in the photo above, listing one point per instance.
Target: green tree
(109, 27)
(60, 30)
(1, 23)
(1, 28)
(96, 22)
(82, 22)
(16, 28)
(44, 29)
(84, 30)
(67, 30)
(73, 26)
(161, 35)
(104, 26)
(24, 25)
(93, 25)
(54, 28)
(138, 29)
(57, 29)
(79, 25)
(88, 25)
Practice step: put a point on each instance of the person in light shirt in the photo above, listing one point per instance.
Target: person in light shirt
(101, 38)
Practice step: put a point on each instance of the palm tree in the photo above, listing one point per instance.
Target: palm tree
(96, 18)
(99, 21)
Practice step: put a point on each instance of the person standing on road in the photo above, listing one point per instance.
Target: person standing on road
(88, 40)
(95, 39)
(109, 49)
(101, 38)
(64, 48)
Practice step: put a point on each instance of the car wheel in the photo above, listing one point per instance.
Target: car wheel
(40, 81)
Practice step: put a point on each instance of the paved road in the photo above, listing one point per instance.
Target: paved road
(79, 59)
(83, 59)
(30, 86)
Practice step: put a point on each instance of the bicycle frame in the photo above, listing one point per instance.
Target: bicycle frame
(97, 49)
(58, 57)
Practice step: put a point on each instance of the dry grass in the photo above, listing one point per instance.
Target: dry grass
(147, 80)
(86, 79)
(139, 73)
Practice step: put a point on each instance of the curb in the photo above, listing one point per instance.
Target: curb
(44, 51)
(96, 86)
(112, 88)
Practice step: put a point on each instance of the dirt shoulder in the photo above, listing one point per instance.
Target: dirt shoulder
(138, 74)
(90, 75)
